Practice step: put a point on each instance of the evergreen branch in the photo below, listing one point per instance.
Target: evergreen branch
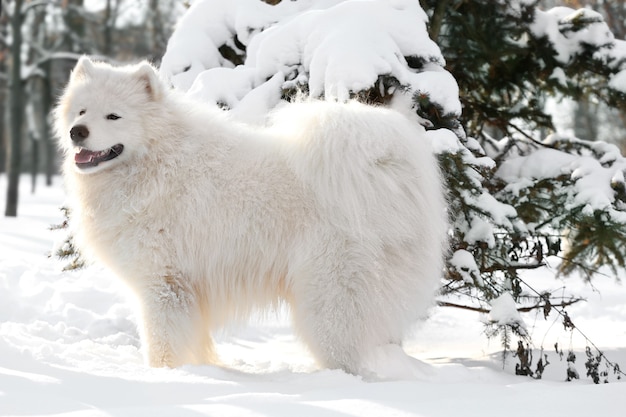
(586, 269)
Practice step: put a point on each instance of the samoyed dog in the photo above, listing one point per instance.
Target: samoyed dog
(335, 209)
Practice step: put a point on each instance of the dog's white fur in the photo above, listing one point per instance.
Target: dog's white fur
(336, 209)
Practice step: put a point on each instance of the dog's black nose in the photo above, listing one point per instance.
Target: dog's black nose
(79, 133)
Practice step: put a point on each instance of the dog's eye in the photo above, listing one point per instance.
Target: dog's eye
(113, 116)
(80, 113)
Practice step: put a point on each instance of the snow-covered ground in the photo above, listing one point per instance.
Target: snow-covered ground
(69, 347)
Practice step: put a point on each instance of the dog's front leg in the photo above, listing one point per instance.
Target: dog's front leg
(173, 331)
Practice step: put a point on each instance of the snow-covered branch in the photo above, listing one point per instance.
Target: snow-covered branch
(319, 51)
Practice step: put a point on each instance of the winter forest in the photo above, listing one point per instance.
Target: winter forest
(524, 102)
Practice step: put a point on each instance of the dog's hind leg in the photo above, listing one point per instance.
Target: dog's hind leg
(173, 330)
(339, 308)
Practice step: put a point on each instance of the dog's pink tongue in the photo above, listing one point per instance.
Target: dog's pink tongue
(84, 156)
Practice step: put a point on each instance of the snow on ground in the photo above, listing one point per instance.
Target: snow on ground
(69, 347)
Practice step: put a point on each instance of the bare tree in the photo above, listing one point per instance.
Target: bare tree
(16, 109)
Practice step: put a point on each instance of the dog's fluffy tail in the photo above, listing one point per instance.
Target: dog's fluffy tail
(371, 166)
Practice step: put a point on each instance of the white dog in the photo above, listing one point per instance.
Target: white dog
(335, 208)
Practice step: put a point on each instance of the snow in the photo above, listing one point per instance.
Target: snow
(69, 347)
(542, 163)
(561, 27)
(618, 81)
(558, 25)
(504, 311)
(332, 47)
(594, 175)
(464, 264)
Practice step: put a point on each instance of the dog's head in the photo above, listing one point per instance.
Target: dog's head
(100, 118)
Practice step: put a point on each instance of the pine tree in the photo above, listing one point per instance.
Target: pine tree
(509, 59)
(507, 64)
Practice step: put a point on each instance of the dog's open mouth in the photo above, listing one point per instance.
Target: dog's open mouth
(84, 158)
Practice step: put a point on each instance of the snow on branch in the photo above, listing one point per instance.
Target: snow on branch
(574, 33)
(596, 170)
(222, 51)
(571, 30)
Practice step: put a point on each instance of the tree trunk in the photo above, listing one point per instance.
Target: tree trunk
(38, 92)
(75, 22)
(46, 135)
(108, 28)
(35, 162)
(437, 19)
(16, 112)
(4, 98)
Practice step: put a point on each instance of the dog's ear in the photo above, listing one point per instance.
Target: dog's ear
(83, 69)
(150, 80)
